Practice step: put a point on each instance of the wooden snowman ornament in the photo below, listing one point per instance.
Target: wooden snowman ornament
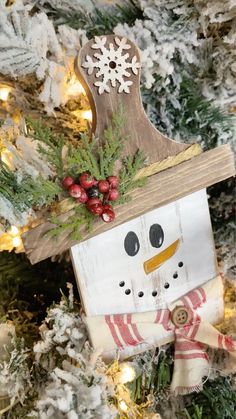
(144, 266)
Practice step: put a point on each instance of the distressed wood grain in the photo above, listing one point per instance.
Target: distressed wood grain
(140, 131)
(112, 280)
(200, 172)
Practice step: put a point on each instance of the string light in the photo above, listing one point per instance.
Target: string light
(123, 406)
(87, 115)
(4, 92)
(74, 87)
(16, 241)
(6, 157)
(14, 231)
(127, 373)
(12, 239)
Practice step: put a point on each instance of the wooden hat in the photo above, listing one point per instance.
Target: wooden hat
(109, 69)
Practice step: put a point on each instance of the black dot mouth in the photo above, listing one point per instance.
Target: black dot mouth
(154, 293)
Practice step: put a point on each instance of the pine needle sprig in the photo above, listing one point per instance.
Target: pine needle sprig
(9, 186)
(81, 219)
(28, 192)
(217, 399)
(50, 146)
(100, 21)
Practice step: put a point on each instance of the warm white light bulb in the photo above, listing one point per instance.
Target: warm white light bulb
(4, 92)
(127, 373)
(6, 158)
(75, 88)
(87, 115)
(123, 406)
(16, 241)
(13, 231)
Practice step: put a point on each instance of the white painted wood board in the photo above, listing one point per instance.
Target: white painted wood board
(101, 263)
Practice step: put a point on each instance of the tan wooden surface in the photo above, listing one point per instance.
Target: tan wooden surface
(142, 134)
(200, 172)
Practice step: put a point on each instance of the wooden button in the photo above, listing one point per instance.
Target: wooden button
(180, 316)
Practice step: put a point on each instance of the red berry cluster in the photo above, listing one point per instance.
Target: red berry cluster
(95, 194)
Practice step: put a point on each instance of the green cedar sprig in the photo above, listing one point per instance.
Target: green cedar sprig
(130, 167)
(99, 160)
(113, 144)
(83, 159)
(81, 219)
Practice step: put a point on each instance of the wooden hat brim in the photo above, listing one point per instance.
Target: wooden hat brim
(162, 188)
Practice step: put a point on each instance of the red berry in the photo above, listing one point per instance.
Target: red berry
(86, 180)
(113, 195)
(83, 197)
(103, 186)
(95, 206)
(114, 181)
(67, 182)
(96, 209)
(108, 215)
(94, 201)
(107, 207)
(75, 191)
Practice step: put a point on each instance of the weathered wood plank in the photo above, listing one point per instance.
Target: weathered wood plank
(200, 172)
(106, 271)
(140, 131)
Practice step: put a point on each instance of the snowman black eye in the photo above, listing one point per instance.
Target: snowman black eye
(131, 244)
(156, 235)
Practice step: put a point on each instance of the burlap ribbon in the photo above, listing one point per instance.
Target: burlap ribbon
(132, 333)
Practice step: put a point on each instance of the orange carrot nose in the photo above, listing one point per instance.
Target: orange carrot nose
(156, 261)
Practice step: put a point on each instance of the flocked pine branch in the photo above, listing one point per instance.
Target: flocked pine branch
(39, 192)
(27, 192)
(14, 370)
(50, 145)
(98, 21)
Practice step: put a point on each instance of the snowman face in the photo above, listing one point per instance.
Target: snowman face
(148, 262)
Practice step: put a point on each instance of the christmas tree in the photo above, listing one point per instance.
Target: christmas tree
(47, 367)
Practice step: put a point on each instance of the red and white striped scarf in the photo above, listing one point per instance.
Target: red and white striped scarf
(133, 333)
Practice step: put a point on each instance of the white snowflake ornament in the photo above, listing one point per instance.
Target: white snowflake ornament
(112, 65)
